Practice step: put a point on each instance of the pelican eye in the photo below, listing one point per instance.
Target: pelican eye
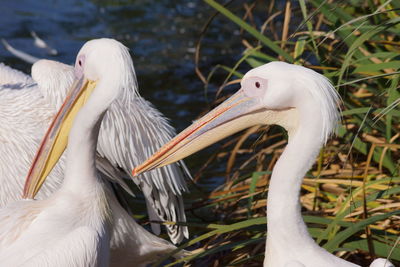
(257, 84)
(80, 62)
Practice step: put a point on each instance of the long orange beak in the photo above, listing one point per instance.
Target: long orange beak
(235, 114)
(56, 137)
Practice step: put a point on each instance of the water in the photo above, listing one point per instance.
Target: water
(161, 38)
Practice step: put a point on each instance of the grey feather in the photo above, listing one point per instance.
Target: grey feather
(131, 132)
(112, 173)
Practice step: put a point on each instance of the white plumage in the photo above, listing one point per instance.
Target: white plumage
(68, 229)
(26, 108)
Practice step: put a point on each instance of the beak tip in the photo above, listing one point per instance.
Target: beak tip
(135, 172)
(26, 195)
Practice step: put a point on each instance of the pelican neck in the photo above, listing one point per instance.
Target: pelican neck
(82, 144)
(285, 224)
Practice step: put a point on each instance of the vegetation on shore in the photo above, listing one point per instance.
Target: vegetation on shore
(351, 196)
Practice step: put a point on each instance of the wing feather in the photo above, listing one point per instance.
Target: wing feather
(132, 131)
(15, 77)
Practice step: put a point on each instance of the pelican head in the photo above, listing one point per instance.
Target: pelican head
(103, 68)
(274, 93)
(280, 86)
(105, 59)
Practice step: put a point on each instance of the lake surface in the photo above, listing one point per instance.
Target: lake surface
(161, 37)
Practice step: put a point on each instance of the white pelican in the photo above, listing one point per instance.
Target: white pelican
(131, 130)
(73, 227)
(304, 103)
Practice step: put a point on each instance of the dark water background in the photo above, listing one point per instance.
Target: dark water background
(160, 34)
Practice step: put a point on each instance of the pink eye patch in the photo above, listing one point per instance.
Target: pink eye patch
(79, 66)
(254, 86)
